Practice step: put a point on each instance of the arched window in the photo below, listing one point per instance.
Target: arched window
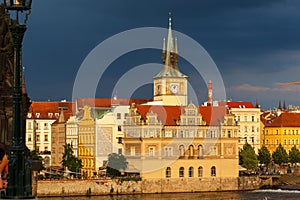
(191, 172)
(200, 171)
(181, 172)
(213, 171)
(181, 150)
(168, 172)
(200, 151)
(191, 150)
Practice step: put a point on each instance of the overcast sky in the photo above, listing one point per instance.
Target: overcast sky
(255, 44)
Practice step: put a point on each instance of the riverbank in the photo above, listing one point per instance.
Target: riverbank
(94, 187)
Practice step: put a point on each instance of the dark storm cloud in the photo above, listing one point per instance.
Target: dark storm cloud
(247, 39)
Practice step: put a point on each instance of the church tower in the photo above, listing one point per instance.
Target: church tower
(170, 85)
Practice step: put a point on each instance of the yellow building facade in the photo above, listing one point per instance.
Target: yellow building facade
(86, 143)
(283, 129)
(188, 148)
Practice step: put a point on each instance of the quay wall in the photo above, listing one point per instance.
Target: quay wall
(93, 187)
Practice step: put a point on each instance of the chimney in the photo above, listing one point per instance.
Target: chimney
(210, 98)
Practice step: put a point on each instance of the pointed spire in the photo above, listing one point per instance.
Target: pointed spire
(170, 44)
(279, 105)
(257, 104)
(284, 106)
(176, 46)
(170, 55)
(164, 45)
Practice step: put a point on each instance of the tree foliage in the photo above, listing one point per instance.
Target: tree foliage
(264, 155)
(248, 158)
(294, 155)
(280, 155)
(70, 161)
(116, 163)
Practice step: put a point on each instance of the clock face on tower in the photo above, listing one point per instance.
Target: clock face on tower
(174, 88)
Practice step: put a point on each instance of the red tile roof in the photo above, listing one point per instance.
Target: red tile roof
(237, 104)
(41, 110)
(108, 102)
(168, 115)
(212, 115)
(285, 120)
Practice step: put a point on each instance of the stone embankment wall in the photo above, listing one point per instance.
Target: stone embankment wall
(104, 187)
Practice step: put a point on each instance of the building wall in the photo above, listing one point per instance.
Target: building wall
(87, 143)
(162, 91)
(104, 187)
(58, 142)
(248, 120)
(286, 136)
(72, 133)
(151, 148)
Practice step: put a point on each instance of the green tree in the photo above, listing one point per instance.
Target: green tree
(264, 155)
(116, 163)
(248, 158)
(280, 155)
(70, 161)
(294, 155)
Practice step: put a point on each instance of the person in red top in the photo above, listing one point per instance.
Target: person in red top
(3, 167)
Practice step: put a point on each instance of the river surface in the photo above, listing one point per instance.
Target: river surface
(252, 195)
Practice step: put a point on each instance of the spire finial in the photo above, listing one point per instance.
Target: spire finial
(170, 19)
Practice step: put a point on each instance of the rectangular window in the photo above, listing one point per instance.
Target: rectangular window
(253, 129)
(276, 132)
(252, 118)
(37, 126)
(245, 118)
(151, 151)
(151, 133)
(126, 115)
(132, 151)
(29, 138)
(246, 129)
(118, 115)
(37, 138)
(45, 126)
(238, 118)
(46, 138)
(119, 128)
(168, 151)
(29, 126)
(276, 142)
(267, 141)
(229, 134)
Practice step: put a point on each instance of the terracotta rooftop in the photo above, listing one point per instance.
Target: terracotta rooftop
(212, 115)
(168, 115)
(108, 102)
(285, 120)
(49, 110)
(237, 104)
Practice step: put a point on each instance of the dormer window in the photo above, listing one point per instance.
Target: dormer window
(50, 115)
(29, 115)
(37, 115)
(56, 115)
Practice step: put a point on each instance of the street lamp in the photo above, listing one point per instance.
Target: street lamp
(20, 166)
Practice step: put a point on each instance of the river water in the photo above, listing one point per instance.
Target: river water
(244, 195)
